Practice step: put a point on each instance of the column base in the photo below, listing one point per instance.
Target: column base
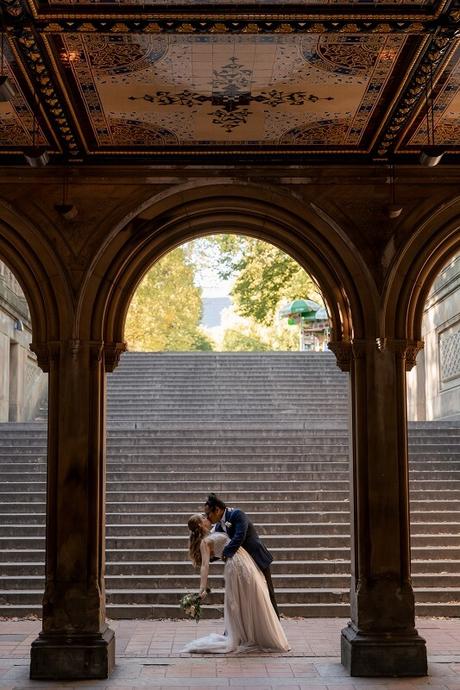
(384, 655)
(72, 657)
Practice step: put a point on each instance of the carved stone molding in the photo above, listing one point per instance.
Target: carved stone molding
(433, 56)
(343, 353)
(260, 23)
(404, 349)
(112, 354)
(31, 54)
(47, 354)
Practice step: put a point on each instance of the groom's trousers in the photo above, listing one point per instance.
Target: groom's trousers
(271, 591)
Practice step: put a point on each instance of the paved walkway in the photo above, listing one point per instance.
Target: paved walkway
(148, 656)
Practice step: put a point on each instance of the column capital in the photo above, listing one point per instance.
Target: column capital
(47, 353)
(343, 353)
(406, 350)
(112, 354)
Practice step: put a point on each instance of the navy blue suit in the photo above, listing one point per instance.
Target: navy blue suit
(242, 532)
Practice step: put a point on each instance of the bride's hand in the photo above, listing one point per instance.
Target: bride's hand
(203, 594)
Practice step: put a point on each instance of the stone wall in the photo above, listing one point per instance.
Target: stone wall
(434, 384)
(23, 386)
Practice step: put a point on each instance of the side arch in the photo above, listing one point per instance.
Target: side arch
(27, 253)
(278, 217)
(415, 269)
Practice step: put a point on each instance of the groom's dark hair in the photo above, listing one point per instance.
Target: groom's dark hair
(214, 501)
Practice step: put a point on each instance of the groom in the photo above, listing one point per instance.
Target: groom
(241, 532)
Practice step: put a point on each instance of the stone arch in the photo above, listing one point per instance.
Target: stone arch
(414, 270)
(301, 230)
(36, 268)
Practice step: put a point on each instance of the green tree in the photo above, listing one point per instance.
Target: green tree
(165, 311)
(264, 276)
(237, 340)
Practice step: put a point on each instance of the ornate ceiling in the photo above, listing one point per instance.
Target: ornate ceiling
(187, 80)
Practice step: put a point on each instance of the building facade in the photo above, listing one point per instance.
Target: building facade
(434, 384)
(22, 383)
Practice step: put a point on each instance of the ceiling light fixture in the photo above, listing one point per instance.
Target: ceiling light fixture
(66, 210)
(430, 155)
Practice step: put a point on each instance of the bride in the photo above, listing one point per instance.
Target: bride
(250, 620)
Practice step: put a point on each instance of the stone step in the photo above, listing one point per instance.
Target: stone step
(302, 486)
(162, 529)
(134, 507)
(287, 530)
(425, 573)
(118, 469)
(424, 584)
(180, 541)
(149, 612)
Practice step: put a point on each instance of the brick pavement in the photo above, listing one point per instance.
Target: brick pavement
(148, 656)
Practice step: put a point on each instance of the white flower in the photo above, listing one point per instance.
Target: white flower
(228, 525)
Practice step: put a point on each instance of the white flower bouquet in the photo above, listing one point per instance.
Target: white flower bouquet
(191, 606)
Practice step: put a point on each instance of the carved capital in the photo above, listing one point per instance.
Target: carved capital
(343, 353)
(406, 350)
(47, 353)
(112, 354)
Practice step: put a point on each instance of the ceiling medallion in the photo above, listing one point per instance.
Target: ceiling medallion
(231, 95)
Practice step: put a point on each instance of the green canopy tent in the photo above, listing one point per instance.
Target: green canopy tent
(310, 316)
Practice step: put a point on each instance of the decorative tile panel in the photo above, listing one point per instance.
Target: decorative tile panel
(449, 353)
(140, 91)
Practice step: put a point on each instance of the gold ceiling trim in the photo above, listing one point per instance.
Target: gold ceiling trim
(415, 151)
(243, 16)
(402, 87)
(38, 13)
(422, 105)
(64, 89)
(33, 90)
(225, 152)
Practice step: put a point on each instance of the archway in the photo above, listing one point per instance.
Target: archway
(425, 307)
(266, 429)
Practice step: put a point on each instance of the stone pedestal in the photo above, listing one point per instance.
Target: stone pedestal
(381, 639)
(73, 657)
(75, 642)
(373, 655)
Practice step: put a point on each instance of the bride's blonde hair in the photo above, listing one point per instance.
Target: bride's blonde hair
(197, 532)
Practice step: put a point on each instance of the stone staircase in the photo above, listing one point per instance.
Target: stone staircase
(268, 432)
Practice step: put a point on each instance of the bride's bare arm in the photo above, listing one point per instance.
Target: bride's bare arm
(205, 548)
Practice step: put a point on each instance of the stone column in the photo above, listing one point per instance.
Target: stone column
(75, 642)
(381, 639)
(4, 376)
(17, 367)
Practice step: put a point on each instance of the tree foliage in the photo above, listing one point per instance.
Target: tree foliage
(165, 311)
(246, 335)
(264, 276)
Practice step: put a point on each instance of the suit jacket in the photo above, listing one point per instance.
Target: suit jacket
(243, 533)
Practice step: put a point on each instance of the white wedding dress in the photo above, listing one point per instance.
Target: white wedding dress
(249, 618)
